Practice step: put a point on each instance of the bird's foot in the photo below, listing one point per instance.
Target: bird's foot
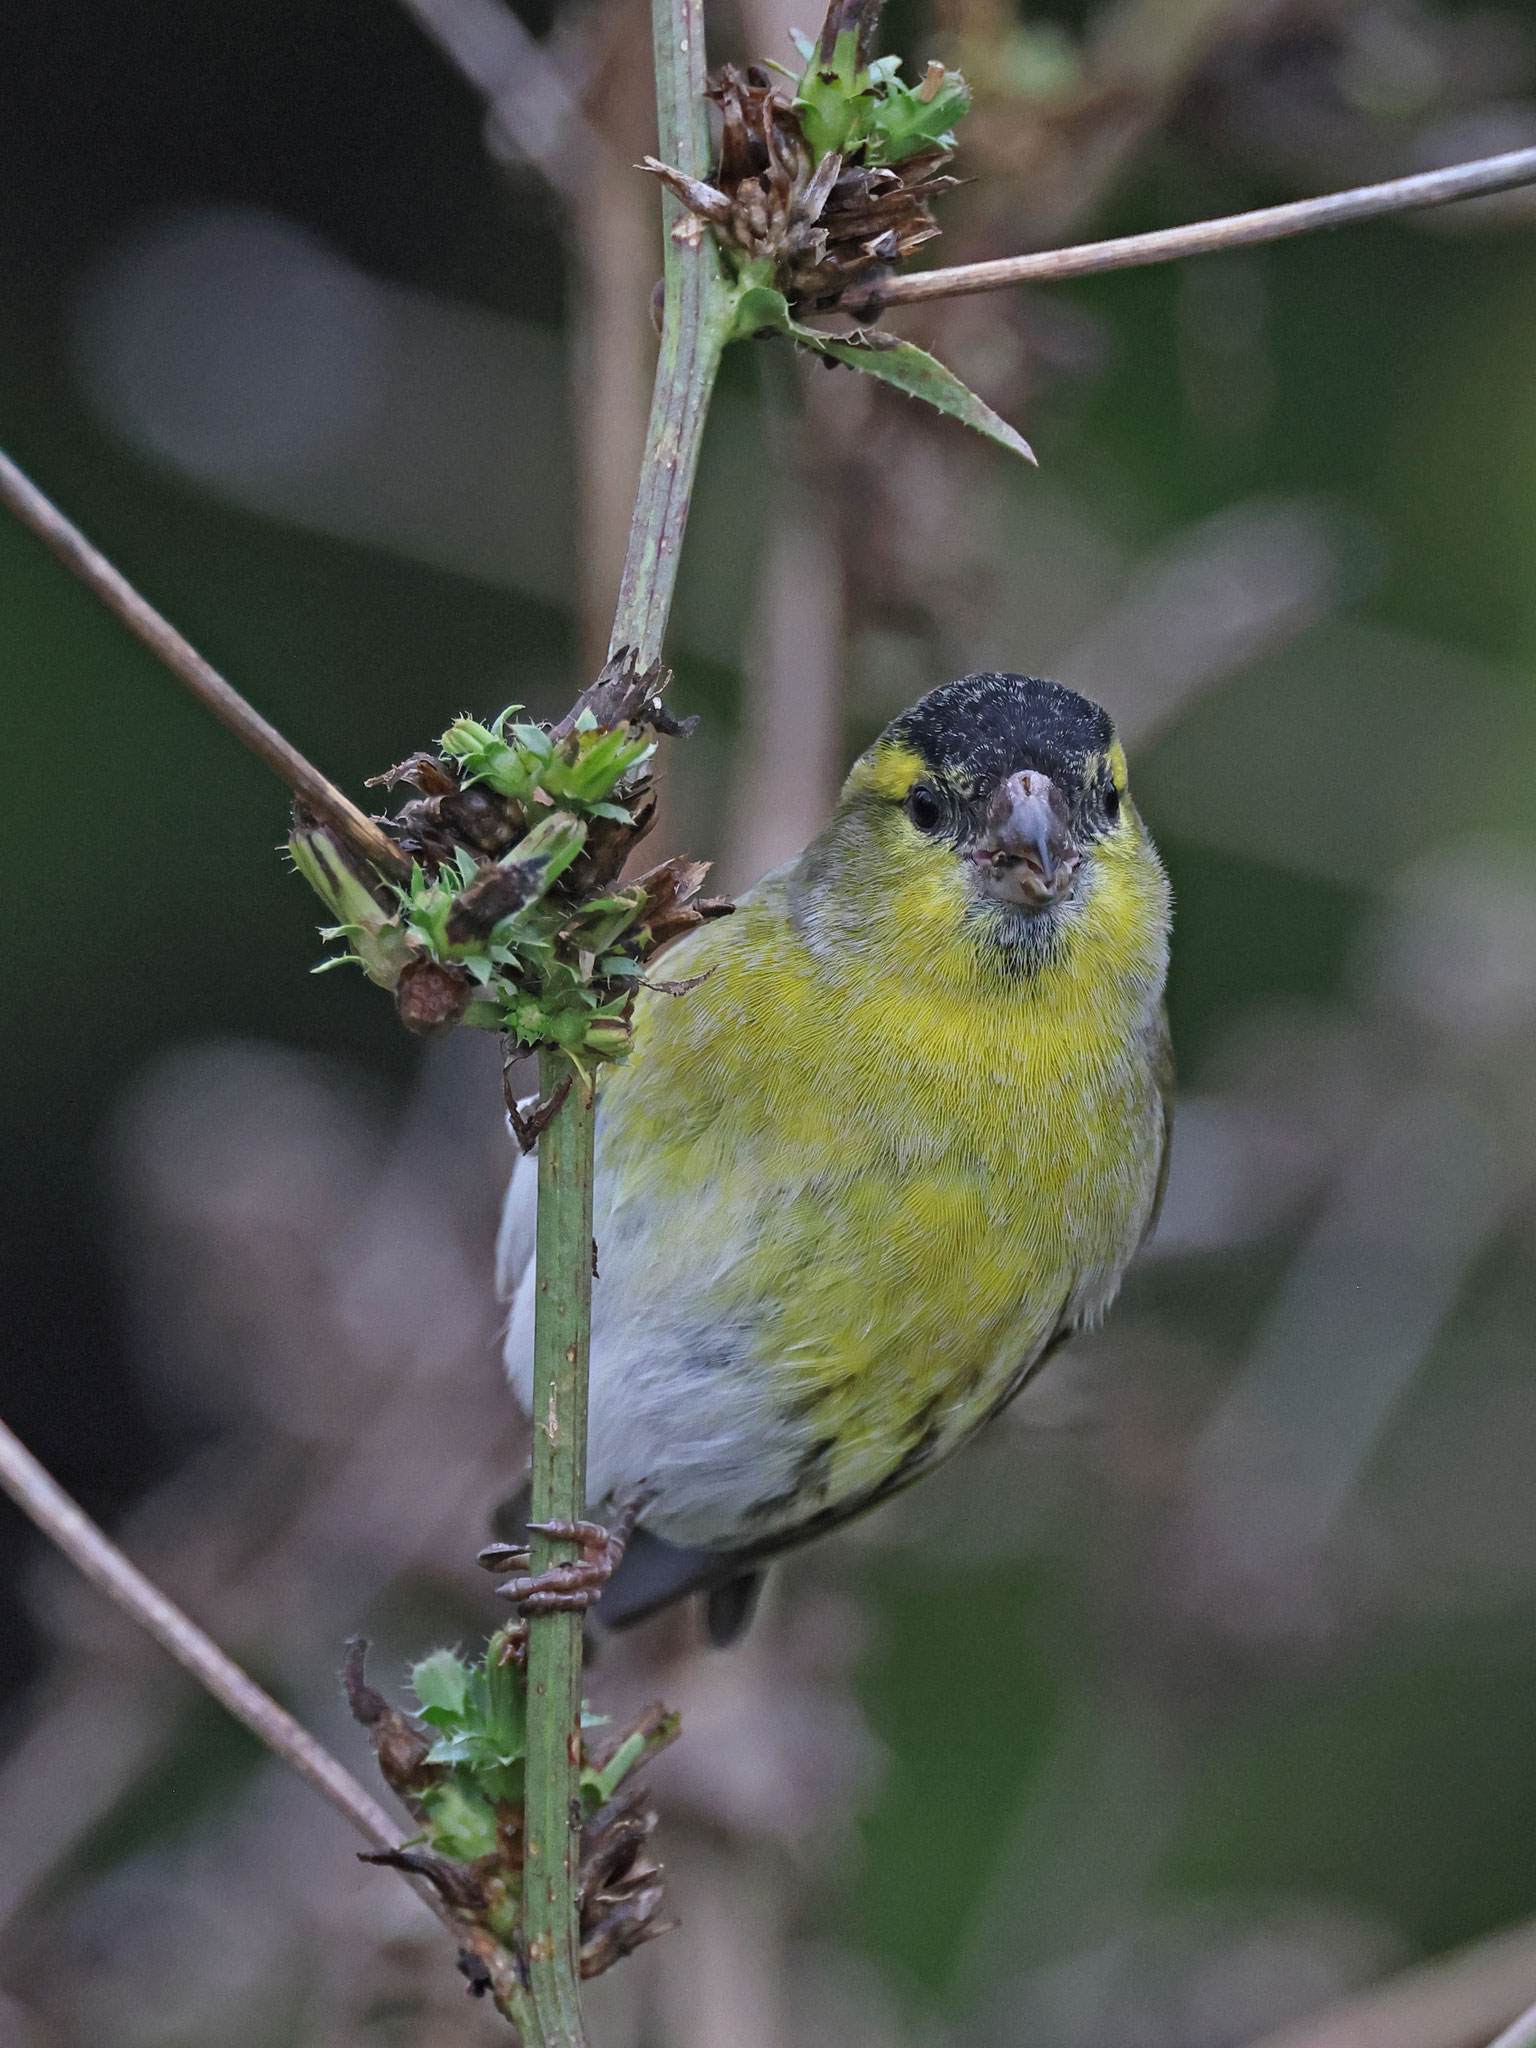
(571, 1586)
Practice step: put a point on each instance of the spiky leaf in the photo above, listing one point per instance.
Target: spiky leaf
(760, 309)
(920, 375)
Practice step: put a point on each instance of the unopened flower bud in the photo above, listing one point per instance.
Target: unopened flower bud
(431, 998)
(609, 1037)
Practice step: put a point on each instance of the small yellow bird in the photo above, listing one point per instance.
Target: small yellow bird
(853, 1189)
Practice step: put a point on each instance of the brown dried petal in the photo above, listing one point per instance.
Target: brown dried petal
(879, 210)
(609, 843)
(674, 882)
(673, 904)
(665, 930)
(421, 830)
(421, 771)
(455, 1882)
(819, 189)
(933, 79)
(625, 695)
(612, 1865)
(705, 200)
(762, 151)
(483, 820)
(399, 1745)
(807, 245)
(494, 894)
(627, 1927)
(741, 154)
(914, 238)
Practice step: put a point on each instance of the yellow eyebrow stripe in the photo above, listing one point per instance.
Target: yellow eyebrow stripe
(888, 771)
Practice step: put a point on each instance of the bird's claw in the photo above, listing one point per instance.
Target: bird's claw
(571, 1586)
(504, 1557)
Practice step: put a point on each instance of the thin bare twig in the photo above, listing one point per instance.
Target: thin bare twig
(22, 496)
(1457, 2001)
(40, 1497)
(1210, 237)
(44, 1501)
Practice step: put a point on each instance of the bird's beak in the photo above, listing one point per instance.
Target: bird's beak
(1026, 856)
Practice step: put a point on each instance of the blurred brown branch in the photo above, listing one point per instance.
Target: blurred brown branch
(50, 1507)
(571, 112)
(530, 101)
(1522, 2034)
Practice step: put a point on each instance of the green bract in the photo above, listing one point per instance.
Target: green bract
(379, 946)
(480, 1711)
(518, 759)
(847, 107)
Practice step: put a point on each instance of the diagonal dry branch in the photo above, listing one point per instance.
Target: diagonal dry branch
(1424, 189)
(1461, 2000)
(44, 1502)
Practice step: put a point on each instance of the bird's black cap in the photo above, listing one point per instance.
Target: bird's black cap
(982, 728)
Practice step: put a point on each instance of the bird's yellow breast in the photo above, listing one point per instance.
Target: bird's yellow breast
(881, 1165)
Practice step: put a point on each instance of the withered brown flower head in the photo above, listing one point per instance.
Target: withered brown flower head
(829, 227)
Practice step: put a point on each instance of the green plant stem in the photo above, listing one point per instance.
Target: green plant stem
(696, 320)
(698, 310)
(562, 1326)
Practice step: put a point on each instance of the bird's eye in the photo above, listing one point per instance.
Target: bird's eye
(924, 807)
(1111, 803)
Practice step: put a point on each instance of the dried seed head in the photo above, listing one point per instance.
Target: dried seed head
(470, 1810)
(673, 904)
(829, 225)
